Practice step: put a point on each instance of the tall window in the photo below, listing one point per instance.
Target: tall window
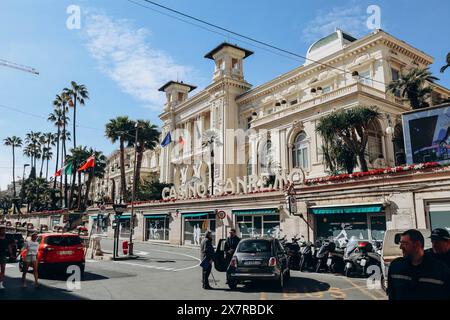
(300, 151)
(374, 142)
(267, 159)
(365, 78)
(396, 76)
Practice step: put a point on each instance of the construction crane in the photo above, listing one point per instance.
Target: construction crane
(18, 66)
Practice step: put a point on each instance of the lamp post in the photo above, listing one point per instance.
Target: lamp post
(133, 194)
(118, 210)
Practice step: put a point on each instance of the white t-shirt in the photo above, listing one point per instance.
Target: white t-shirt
(32, 248)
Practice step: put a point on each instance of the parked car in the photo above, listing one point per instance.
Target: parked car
(58, 251)
(391, 249)
(259, 259)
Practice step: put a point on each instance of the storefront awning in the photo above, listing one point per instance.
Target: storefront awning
(156, 216)
(255, 212)
(196, 215)
(124, 217)
(376, 208)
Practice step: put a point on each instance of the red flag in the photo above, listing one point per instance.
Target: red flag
(90, 163)
(181, 141)
(59, 172)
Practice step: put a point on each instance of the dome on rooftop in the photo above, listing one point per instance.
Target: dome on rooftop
(328, 45)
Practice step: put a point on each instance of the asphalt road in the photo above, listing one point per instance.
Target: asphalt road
(172, 273)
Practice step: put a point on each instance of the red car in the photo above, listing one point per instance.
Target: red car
(58, 250)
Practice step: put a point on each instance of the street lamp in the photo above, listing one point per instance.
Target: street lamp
(133, 195)
(118, 210)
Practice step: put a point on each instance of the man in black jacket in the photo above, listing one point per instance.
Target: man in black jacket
(231, 244)
(440, 239)
(207, 257)
(417, 276)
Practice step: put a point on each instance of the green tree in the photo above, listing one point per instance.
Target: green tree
(119, 129)
(49, 140)
(76, 94)
(447, 65)
(414, 86)
(148, 137)
(38, 194)
(351, 126)
(151, 190)
(76, 157)
(337, 157)
(13, 142)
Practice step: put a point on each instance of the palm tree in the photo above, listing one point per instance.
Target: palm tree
(448, 63)
(414, 86)
(49, 140)
(97, 172)
(148, 137)
(119, 129)
(76, 158)
(14, 142)
(37, 194)
(56, 118)
(47, 155)
(32, 150)
(76, 94)
(351, 126)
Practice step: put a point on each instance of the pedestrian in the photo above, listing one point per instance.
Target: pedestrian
(440, 239)
(5, 247)
(207, 256)
(231, 244)
(31, 248)
(417, 276)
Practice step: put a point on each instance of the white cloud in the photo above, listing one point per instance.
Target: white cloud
(351, 19)
(124, 54)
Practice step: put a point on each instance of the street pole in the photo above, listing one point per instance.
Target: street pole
(212, 168)
(133, 196)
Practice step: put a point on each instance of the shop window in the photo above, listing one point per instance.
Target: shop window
(258, 225)
(344, 226)
(157, 228)
(300, 151)
(195, 228)
(439, 216)
(125, 228)
(267, 159)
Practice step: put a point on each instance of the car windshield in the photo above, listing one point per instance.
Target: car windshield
(63, 241)
(254, 246)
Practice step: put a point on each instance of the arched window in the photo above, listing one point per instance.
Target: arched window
(300, 151)
(249, 167)
(374, 142)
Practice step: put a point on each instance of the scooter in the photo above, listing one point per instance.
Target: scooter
(335, 261)
(323, 254)
(359, 255)
(293, 252)
(306, 255)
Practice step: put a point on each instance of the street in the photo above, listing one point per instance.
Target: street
(172, 273)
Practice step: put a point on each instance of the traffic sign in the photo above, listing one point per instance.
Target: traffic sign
(292, 205)
(221, 214)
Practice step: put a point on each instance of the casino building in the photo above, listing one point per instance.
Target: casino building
(266, 148)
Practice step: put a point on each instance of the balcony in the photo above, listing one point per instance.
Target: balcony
(323, 98)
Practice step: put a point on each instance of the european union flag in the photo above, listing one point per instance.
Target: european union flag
(167, 140)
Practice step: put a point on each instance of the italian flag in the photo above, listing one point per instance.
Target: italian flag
(90, 163)
(66, 170)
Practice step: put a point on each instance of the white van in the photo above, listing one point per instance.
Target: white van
(391, 249)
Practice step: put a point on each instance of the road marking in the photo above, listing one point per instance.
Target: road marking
(145, 266)
(91, 261)
(180, 254)
(142, 253)
(9, 266)
(362, 289)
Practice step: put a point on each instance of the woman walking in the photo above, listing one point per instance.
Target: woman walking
(31, 248)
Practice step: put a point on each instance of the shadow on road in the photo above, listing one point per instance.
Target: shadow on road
(294, 285)
(14, 291)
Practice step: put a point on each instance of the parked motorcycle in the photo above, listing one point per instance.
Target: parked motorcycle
(335, 261)
(359, 256)
(306, 255)
(323, 253)
(293, 251)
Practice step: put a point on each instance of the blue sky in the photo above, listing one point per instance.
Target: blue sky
(123, 53)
